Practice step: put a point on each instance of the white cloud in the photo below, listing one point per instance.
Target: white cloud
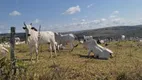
(103, 19)
(112, 16)
(15, 13)
(90, 5)
(74, 19)
(115, 12)
(96, 21)
(83, 20)
(36, 21)
(72, 10)
(116, 21)
(94, 24)
(140, 20)
(112, 20)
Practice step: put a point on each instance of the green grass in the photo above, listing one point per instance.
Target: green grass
(125, 65)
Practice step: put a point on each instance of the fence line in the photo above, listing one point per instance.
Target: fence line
(12, 47)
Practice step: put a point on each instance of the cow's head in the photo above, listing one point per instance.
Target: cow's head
(56, 34)
(28, 28)
(111, 55)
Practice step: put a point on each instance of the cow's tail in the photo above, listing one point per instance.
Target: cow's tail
(76, 45)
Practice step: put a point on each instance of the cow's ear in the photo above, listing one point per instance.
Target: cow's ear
(33, 28)
(84, 40)
(56, 33)
(24, 27)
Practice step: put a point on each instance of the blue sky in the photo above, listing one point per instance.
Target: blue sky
(69, 15)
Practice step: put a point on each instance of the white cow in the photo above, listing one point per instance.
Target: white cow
(87, 37)
(98, 50)
(102, 41)
(63, 39)
(17, 39)
(33, 39)
(5, 44)
(21, 42)
(123, 37)
(59, 46)
(3, 51)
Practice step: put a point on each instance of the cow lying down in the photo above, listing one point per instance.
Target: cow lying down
(3, 51)
(99, 51)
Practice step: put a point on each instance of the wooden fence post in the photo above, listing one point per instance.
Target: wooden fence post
(12, 47)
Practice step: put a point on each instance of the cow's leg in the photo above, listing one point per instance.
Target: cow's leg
(96, 55)
(50, 47)
(89, 53)
(72, 46)
(54, 48)
(31, 52)
(96, 52)
(57, 47)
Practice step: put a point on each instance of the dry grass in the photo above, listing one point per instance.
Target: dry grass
(126, 64)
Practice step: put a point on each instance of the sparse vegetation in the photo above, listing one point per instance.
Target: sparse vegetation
(125, 65)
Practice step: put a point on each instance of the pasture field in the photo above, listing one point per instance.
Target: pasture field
(125, 65)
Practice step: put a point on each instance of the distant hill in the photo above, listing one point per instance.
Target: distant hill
(20, 35)
(113, 32)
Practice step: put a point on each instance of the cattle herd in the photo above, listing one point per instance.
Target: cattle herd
(58, 41)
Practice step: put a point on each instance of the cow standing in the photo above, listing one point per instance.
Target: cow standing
(63, 39)
(33, 39)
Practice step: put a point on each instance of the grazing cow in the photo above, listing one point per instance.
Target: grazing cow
(17, 39)
(59, 46)
(140, 40)
(98, 50)
(3, 51)
(81, 41)
(102, 41)
(33, 39)
(123, 37)
(5, 44)
(21, 42)
(87, 37)
(65, 39)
